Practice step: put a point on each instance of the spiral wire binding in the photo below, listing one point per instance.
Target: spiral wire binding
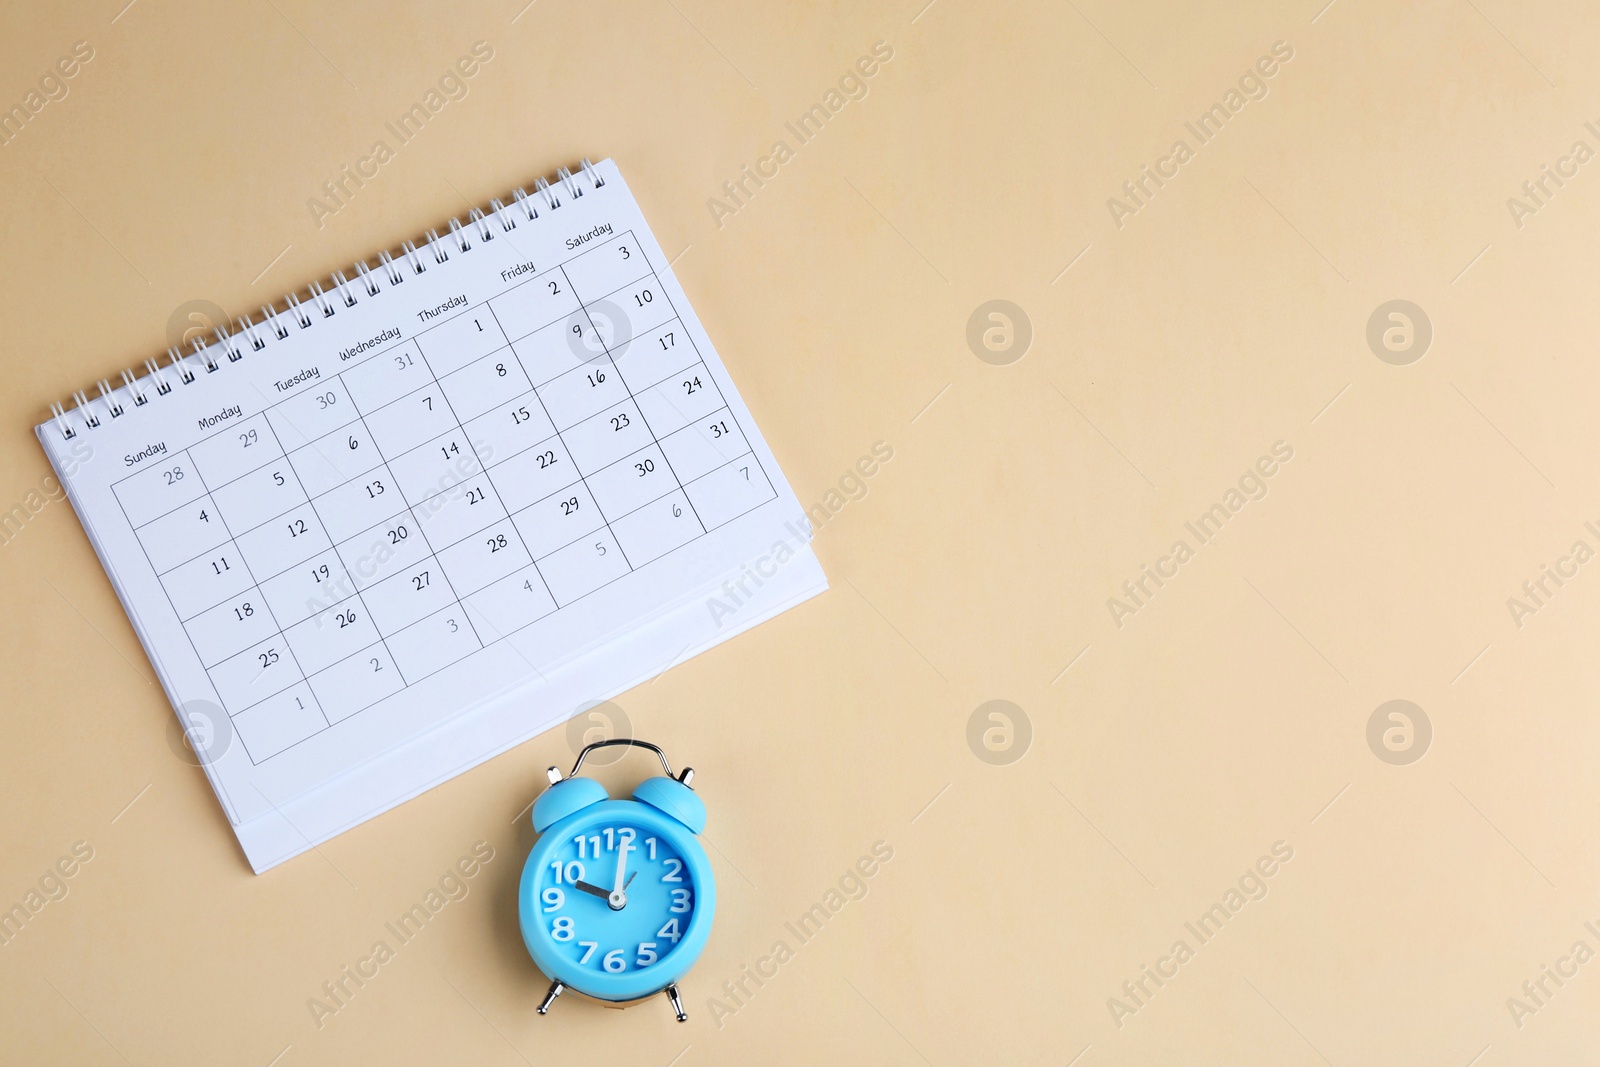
(111, 400)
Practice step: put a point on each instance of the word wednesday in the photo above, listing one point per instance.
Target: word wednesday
(1252, 85)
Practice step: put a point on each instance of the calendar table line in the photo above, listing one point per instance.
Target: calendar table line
(371, 426)
(545, 408)
(404, 508)
(655, 440)
(499, 498)
(290, 457)
(464, 603)
(379, 354)
(500, 635)
(320, 448)
(275, 658)
(337, 554)
(422, 531)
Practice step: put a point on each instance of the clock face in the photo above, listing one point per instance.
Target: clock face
(614, 896)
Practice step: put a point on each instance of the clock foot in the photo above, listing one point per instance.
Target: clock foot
(556, 989)
(677, 1005)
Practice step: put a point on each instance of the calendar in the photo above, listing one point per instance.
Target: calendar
(484, 474)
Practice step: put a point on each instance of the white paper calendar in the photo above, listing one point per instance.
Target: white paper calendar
(432, 507)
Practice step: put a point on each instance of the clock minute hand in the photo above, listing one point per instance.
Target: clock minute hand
(618, 898)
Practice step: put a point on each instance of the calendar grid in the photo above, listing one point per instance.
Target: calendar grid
(168, 594)
(403, 510)
(534, 564)
(339, 555)
(267, 607)
(573, 431)
(546, 409)
(410, 508)
(624, 379)
(698, 355)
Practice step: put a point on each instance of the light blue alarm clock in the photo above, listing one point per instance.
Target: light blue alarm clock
(617, 897)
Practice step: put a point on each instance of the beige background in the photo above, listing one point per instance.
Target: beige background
(1228, 714)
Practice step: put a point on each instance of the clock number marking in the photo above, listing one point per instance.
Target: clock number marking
(614, 961)
(670, 930)
(561, 929)
(646, 955)
(588, 950)
(573, 872)
(680, 901)
(553, 899)
(650, 843)
(674, 874)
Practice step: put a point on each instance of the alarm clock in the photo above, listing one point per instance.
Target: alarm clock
(617, 897)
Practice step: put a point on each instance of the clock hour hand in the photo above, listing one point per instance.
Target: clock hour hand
(592, 890)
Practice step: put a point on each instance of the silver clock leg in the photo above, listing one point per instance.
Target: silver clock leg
(556, 989)
(677, 1005)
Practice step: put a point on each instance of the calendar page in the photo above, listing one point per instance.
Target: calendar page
(425, 487)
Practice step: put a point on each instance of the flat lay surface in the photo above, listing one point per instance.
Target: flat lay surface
(1191, 404)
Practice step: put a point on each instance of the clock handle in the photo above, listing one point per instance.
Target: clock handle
(686, 777)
